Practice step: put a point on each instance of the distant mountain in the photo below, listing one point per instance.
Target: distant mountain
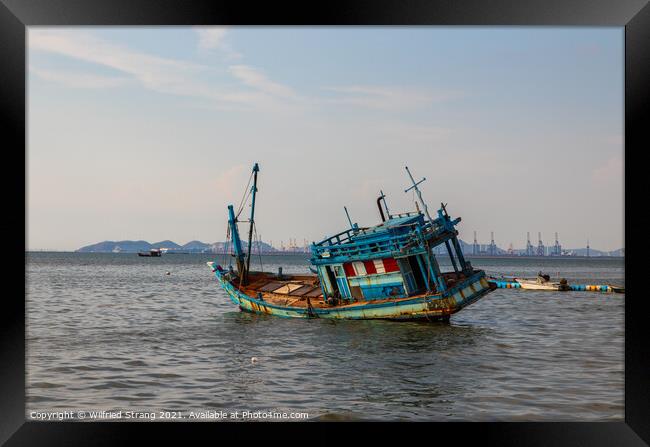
(196, 245)
(119, 246)
(220, 247)
(264, 247)
(166, 244)
(171, 246)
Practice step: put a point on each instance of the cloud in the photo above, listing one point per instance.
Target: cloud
(386, 98)
(256, 79)
(211, 38)
(79, 80)
(153, 72)
(156, 73)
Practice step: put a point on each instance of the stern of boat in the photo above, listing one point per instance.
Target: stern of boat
(469, 290)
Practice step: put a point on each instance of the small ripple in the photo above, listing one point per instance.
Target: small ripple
(163, 375)
(46, 385)
(135, 363)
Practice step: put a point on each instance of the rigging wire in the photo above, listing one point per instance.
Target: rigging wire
(247, 192)
(259, 246)
(226, 246)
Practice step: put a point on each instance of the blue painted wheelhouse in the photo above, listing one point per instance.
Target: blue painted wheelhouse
(386, 271)
(394, 259)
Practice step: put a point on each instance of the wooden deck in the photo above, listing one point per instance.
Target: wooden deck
(299, 290)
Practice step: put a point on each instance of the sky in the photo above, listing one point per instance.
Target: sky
(150, 132)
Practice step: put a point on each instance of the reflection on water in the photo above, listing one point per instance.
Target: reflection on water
(113, 331)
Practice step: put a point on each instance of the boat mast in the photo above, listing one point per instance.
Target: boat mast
(415, 185)
(256, 169)
(236, 242)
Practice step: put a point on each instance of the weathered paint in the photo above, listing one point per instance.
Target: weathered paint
(385, 271)
(429, 307)
(379, 286)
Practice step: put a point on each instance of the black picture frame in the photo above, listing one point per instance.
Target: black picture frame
(16, 15)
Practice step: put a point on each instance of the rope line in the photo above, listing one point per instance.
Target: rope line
(259, 246)
(247, 192)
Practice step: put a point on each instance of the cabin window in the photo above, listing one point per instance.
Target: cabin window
(359, 268)
(374, 267)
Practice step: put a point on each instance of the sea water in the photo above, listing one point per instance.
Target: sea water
(114, 334)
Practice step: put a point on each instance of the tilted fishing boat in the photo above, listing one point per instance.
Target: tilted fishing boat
(388, 271)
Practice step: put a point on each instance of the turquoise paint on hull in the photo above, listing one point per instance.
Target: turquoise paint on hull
(418, 308)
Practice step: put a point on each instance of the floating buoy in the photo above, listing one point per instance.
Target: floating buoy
(564, 286)
(168, 273)
(253, 359)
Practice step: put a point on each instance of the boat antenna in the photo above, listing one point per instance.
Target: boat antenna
(348, 214)
(381, 211)
(383, 198)
(419, 193)
(256, 169)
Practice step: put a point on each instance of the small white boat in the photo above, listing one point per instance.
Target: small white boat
(542, 282)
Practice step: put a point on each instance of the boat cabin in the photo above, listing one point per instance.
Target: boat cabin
(394, 259)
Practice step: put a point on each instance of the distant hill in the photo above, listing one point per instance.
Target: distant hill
(190, 247)
(166, 244)
(196, 245)
(220, 247)
(119, 246)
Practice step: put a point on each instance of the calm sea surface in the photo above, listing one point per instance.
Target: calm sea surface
(114, 332)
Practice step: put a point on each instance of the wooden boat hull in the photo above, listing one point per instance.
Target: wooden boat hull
(426, 307)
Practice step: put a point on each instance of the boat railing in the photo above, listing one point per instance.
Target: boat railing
(407, 214)
(408, 242)
(340, 238)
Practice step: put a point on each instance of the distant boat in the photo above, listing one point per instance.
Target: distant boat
(387, 271)
(542, 282)
(153, 253)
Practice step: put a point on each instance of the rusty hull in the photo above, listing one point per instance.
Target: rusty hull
(254, 298)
